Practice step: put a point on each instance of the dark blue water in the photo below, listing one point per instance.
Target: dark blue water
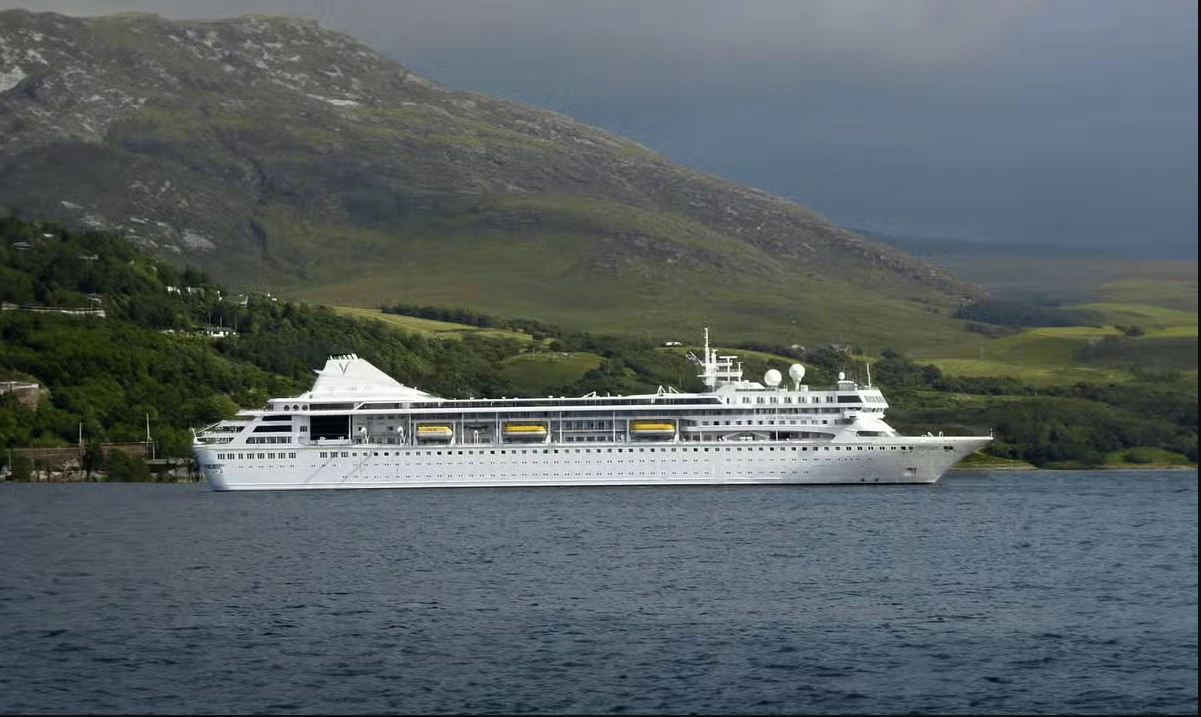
(1040, 592)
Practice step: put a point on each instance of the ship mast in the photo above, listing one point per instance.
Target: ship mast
(715, 367)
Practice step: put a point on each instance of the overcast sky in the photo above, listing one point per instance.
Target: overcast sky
(1057, 121)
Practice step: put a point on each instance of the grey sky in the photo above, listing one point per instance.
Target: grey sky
(1059, 121)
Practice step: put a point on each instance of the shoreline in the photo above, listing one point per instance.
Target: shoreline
(1111, 467)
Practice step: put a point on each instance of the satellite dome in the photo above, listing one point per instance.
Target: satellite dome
(842, 375)
(772, 378)
(796, 372)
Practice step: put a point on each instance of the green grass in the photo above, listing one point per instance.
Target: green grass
(1079, 279)
(599, 266)
(1042, 354)
(428, 327)
(1040, 373)
(1145, 315)
(1172, 286)
(549, 279)
(1058, 354)
(1145, 458)
(980, 461)
(534, 374)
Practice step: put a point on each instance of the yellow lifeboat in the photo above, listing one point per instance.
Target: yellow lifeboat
(434, 433)
(526, 431)
(653, 428)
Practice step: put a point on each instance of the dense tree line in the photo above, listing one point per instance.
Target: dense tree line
(1006, 312)
(1077, 423)
(538, 329)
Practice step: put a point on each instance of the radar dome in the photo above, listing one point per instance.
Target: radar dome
(772, 378)
(796, 372)
(842, 375)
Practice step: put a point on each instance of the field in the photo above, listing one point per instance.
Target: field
(1156, 299)
(537, 374)
(1149, 325)
(428, 327)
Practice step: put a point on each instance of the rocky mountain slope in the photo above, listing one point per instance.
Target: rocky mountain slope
(284, 156)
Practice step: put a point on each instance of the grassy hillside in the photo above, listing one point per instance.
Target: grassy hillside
(1130, 338)
(429, 327)
(232, 145)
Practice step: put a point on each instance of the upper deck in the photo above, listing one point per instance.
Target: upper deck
(353, 400)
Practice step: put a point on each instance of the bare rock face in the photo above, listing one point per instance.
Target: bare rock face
(272, 151)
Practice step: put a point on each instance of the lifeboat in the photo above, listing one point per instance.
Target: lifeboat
(653, 428)
(434, 433)
(525, 431)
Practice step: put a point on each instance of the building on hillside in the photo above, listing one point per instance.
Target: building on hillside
(95, 311)
(27, 393)
(216, 332)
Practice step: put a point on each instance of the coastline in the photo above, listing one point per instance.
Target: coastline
(972, 467)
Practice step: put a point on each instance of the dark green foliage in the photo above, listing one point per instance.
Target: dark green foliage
(1003, 312)
(538, 329)
(1054, 424)
(125, 468)
(991, 331)
(1146, 355)
(22, 469)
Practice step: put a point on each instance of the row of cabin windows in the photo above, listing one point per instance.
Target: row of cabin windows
(793, 422)
(515, 451)
(348, 454)
(803, 399)
(602, 424)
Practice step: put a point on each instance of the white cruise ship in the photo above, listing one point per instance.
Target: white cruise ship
(359, 428)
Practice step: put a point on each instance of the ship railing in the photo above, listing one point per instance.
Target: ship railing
(209, 434)
(331, 442)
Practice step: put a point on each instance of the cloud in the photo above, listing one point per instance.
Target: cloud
(1073, 121)
(883, 32)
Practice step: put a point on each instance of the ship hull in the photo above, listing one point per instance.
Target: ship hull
(886, 461)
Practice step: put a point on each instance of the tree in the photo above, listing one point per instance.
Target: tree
(93, 457)
(22, 469)
(126, 468)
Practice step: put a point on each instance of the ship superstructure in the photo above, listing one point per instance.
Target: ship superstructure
(360, 428)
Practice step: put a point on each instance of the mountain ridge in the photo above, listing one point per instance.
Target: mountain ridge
(277, 153)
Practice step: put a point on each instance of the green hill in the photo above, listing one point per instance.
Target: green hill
(284, 157)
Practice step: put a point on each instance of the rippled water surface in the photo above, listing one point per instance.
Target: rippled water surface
(1032, 592)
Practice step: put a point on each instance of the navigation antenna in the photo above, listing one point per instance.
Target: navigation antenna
(707, 366)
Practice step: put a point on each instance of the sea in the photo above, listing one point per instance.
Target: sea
(1023, 592)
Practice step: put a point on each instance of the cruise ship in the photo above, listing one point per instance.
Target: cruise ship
(360, 428)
